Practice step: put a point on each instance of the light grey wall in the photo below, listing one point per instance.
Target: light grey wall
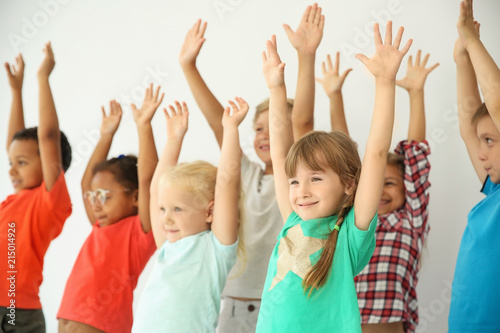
(110, 50)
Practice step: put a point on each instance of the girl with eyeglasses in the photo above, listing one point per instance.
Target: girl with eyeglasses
(99, 292)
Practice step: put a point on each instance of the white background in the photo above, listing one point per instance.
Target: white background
(109, 50)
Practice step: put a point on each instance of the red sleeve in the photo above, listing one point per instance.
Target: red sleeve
(56, 206)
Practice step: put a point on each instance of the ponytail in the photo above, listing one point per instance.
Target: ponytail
(318, 275)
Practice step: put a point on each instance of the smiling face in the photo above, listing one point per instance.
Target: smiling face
(393, 193)
(182, 214)
(316, 193)
(489, 147)
(25, 165)
(119, 203)
(261, 140)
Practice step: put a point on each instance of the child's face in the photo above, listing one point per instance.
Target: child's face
(182, 214)
(261, 141)
(26, 167)
(119, 202)
(393, 193)
(315, 194)
(489, 147)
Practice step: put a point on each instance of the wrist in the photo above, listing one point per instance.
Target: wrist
(383, 81)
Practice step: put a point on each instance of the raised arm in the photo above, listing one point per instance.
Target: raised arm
(208, 104)
(49, 142)
(280, 133)
(177, 125)
(109, 125)
(332, 83)
(148, 157)
(305, 40)
(414, 82)
(468, 101)
(15, 73)
(227, 189)
(487, 71)
(384, 66)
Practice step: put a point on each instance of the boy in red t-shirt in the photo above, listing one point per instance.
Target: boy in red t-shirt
(34, 215)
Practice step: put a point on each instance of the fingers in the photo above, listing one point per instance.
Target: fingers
(432, 67)
(337, 63)
(344, 75)
(289, 32)
(426, 58)
(361, 57)
(410, 62)
(103, 112)
(306, 15)
(376, 34)
(407, 46)
(417, 60)
(388, 33)
(399, 36)
(201, 32)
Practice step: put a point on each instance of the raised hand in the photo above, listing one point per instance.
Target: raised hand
(387, 59)
(459, 51)
(273, 68)
(48, 62)
(332, 82)
(466, 26)
(416, 73)
(238, 114)
(151, 102)
(177, 120)
(309, 32)
(15, 73)
(110, 123)
(192, 44)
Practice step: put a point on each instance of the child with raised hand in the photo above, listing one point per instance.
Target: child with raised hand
(328, 203)
(241, 295)
(99, 292)
(402, 214)
(195, 213)
(35, 214)
(402, 228)
(475, 291)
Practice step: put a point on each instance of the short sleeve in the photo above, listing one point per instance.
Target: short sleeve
(56, 204)
(361, 242)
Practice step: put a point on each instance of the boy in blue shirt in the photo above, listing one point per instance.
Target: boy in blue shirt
(475, 290)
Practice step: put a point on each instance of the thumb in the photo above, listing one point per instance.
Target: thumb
(361, 57)
(344, 75)
(288, 30)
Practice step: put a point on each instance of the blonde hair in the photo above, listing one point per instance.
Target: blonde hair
(264, 106)
(337, 151)
(199, 178)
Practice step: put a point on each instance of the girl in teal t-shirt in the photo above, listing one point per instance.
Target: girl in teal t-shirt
(329, 205)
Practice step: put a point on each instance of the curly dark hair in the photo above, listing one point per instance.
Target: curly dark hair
(32, 134)
(124, 168)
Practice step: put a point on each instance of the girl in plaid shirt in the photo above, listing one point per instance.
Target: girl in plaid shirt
(386, 287)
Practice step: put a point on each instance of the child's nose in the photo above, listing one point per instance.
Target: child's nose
(304, 191)
(482, 154)
(12, 170)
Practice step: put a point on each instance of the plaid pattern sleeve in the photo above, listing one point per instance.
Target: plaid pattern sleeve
(386, 287)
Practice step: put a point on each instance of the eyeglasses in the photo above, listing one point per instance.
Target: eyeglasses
(99, 194)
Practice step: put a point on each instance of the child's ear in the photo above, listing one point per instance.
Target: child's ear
(210, 212)
(349, 188)
(135, 198)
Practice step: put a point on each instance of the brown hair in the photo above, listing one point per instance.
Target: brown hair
(481, 112)
(337, 151)
(264, 106)
(397, 161)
